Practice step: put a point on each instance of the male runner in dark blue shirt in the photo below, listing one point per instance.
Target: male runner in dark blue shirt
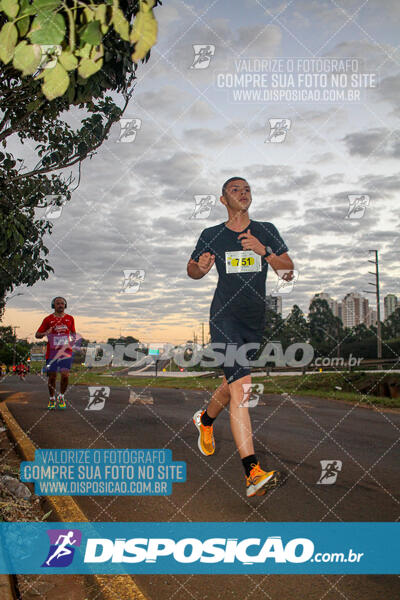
(241, 249)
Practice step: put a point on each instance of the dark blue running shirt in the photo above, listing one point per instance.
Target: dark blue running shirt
(240, 296)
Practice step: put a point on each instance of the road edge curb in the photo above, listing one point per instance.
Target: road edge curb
(109, 587)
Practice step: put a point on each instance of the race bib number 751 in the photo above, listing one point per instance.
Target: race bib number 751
(242, 261)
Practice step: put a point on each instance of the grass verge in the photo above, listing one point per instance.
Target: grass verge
(355, 386)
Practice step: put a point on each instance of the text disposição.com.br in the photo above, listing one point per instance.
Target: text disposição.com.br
(212, 550)
(337, 557)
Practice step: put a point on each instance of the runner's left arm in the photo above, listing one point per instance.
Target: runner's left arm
(72, 333)
(278, 257)
(276, 250)
(281, 262)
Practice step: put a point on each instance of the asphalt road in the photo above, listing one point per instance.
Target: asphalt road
(292, 434)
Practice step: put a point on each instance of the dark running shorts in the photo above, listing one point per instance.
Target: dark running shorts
(55, 365)
(230, 331)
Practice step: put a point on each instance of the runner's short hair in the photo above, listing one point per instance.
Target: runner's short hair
(229, 180)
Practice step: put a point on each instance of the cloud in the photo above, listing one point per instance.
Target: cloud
(282, 179)
(384, 186)
(163, 102)
(389, 90)
(333, 179)
(377, 142)
(211, 137)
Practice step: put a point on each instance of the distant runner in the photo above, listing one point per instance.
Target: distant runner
(21, 370)
(241, 249)
(61, 335)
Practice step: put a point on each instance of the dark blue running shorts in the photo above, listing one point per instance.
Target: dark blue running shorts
(55, 365)
(229, 332)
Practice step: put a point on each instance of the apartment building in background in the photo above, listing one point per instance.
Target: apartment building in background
(390, 303)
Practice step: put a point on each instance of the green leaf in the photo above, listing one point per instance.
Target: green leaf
(23, 24)
(8, 40)
(10, 7)
(100, 12)
(56, 82)
(85, 51)
(88, 14)
(97, 52)
(46, 4)
(91, 33)
(68, 61)
(88, 67)
(47, 28)
(121, 25)
(27, 58)
(144, 32)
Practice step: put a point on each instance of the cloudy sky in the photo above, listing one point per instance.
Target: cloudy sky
(133, 209)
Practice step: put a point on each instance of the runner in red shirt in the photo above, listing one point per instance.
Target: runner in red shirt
(61, 335)
(21, 370)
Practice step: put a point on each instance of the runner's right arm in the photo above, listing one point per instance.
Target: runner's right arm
(43, 330)
(201, 259)
(197, 270)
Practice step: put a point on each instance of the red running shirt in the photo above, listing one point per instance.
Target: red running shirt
(59, 340)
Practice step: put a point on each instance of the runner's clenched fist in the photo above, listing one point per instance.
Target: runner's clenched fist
(206, 261)
(250, 242)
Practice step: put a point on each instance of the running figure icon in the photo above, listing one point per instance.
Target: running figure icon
(62, 549)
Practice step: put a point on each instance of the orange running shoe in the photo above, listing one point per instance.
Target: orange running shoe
(259, 481)
(206, 441)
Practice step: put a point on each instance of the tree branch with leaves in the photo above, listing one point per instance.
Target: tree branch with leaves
(90, 49)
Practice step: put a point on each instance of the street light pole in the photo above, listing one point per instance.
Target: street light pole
(15, 327)
(378, 302)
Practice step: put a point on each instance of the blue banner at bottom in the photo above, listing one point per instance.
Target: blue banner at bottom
(200, 548)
